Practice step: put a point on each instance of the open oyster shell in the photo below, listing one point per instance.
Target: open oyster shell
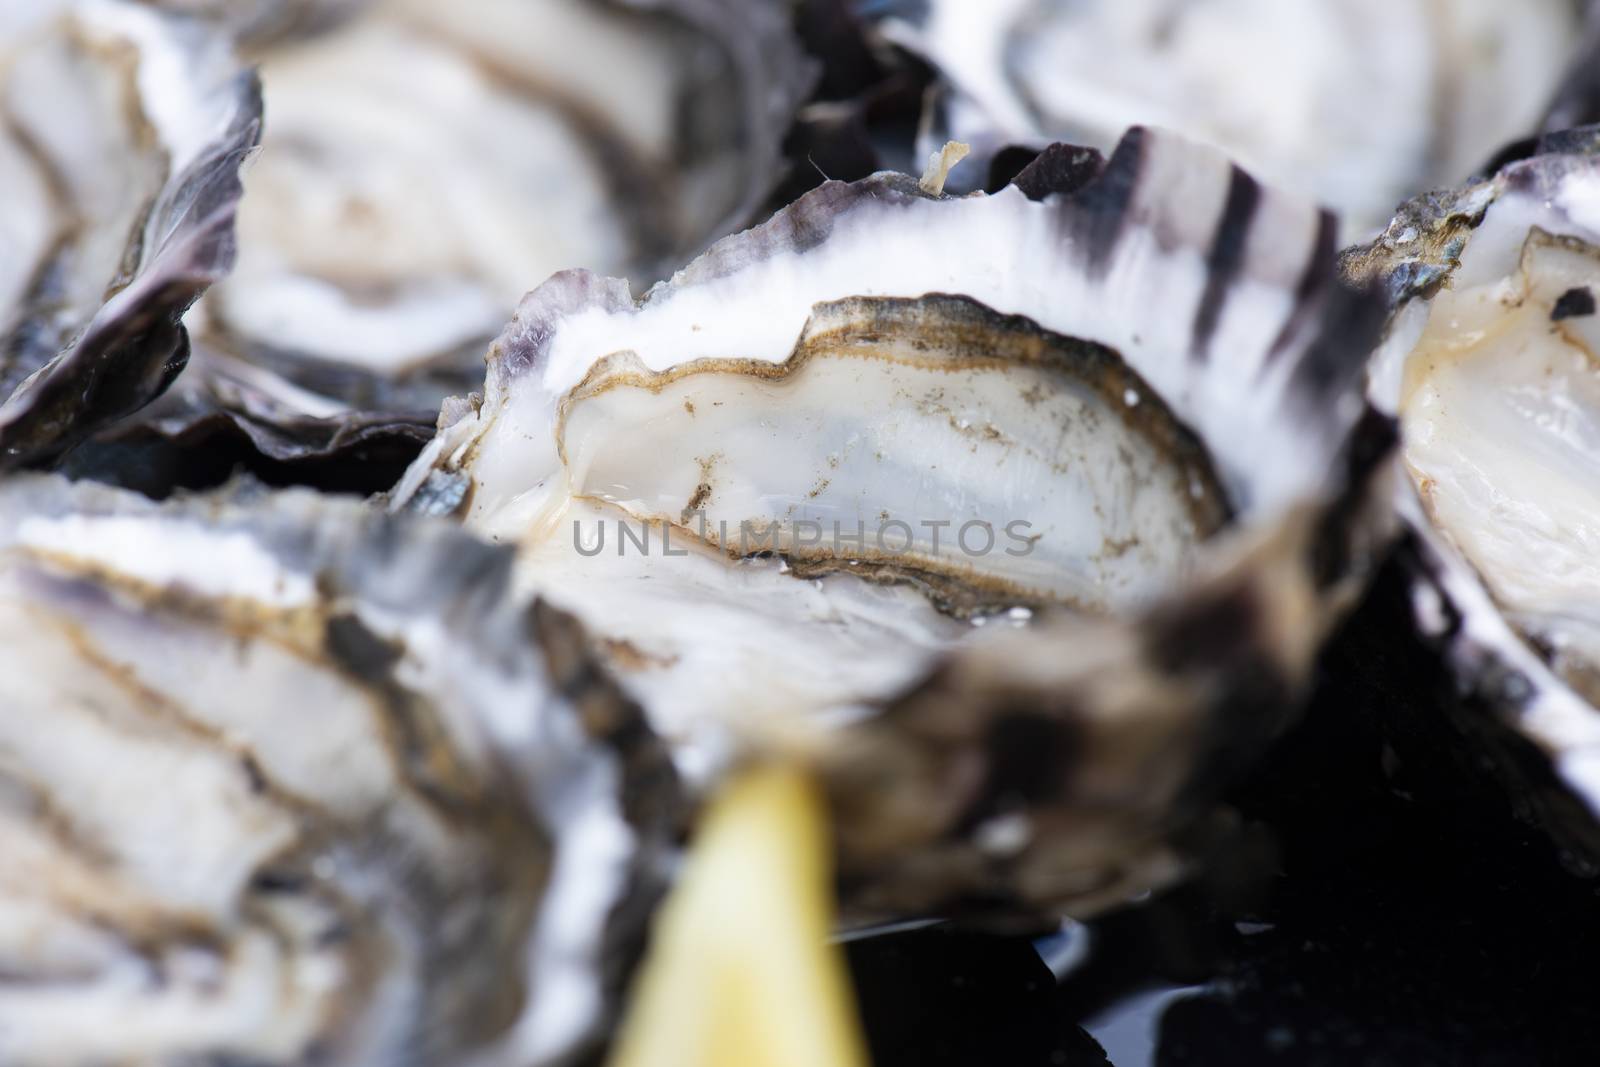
(1490, 367)
(1104, 397)
(283, 780)
(122, 136)
(426, 163)
(1356, 103)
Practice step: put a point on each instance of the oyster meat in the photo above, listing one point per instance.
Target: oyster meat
(282, 779)
(121, 140)
(1356, 103)
(785, 486)
(1490, 367)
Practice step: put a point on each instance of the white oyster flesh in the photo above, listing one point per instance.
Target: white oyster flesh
(1500, 407)
(280, 780)
(801, 411)
(979, 453)
(426, 164)
(1490, 368)
(1358, 103)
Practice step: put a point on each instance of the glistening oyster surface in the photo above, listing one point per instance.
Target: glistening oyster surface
(898, 403)
(1151, 377)
(284, 780)
(1357, 103)
(121, 138)
(426, 164)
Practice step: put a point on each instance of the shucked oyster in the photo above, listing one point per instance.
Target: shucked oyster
(1490, 366)
(791, 482)
(426, 163)
(286, 781)
(1356, 103)
(121, 136)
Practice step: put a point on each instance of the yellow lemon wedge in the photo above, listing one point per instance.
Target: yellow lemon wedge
(740, 972)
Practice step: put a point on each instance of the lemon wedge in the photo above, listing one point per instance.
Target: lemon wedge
(740, 972)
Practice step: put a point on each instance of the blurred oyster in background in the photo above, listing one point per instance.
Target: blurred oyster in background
(1490, 366)
(863, 115)
(263, 20)
(426, 164)
(1578, 101)
(1355, 103)
(782, 488)
(283, 780)
(121, 140)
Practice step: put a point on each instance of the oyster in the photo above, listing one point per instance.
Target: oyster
(1578, 101)
(1490, 367)
(426, 163)
(283, 779)
(122, 136)
(1356, 103)
(790, 483)
(259, 21)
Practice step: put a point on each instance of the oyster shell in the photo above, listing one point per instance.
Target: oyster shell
(1356, 103)
(426, 163)
(1053, 384)
(261, 21)
(122, 136)
(1490, 368)
(283, 779)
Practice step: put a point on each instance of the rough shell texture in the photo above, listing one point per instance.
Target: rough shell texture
(285, 780)
(811, 343)
(1226, 282)
(125, 133)
(1067, 767)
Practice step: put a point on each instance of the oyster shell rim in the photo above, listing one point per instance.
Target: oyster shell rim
(355, 564)
(1344, 535)
(192, 215)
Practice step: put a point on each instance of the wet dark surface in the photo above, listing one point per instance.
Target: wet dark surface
(941, 998)
(1409, 919)
(158, 466)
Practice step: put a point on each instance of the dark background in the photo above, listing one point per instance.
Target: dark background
(1403, 916)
